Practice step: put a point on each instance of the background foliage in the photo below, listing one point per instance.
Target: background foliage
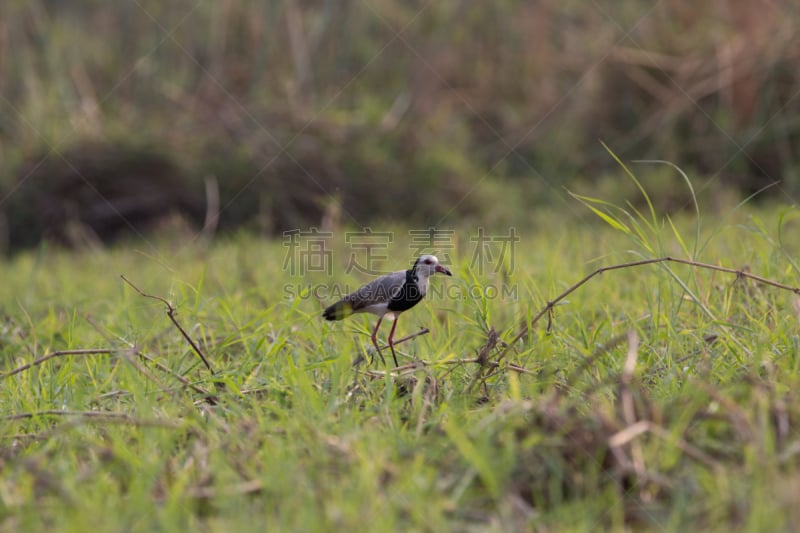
(366, 110)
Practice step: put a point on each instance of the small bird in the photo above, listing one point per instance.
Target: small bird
(388, 296)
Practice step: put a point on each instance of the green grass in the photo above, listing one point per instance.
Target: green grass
(299, 440)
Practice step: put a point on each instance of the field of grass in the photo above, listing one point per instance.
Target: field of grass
(656, 397)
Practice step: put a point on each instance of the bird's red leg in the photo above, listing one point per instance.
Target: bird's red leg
(391, 340)
(375, 339)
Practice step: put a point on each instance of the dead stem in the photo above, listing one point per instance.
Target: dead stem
(60, 353)
(548, 308)
(171, 310)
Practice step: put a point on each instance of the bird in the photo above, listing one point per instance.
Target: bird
(388, 296)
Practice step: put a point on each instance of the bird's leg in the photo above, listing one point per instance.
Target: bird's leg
(375, 339)
(391, 339)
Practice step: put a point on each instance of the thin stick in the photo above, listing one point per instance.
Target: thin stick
(423, 331)
(79, 420)
(104, 351)
(245, 487)
(107, 415)
(177, 376)
(361, 357)
(60, 353)
(548, 309)
(458, 361)
(142, 355)
(171, 314)
(519, 369)
(490, 364)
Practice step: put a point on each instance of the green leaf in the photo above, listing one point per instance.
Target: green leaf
(614, 223)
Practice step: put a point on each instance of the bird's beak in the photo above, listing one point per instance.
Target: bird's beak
(442, 270)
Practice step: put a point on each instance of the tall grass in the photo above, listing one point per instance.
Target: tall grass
(655, 397)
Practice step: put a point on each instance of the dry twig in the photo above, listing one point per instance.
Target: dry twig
(171, 310)
(360, 359)
(60, 353)
(548, 308)
(110, 416)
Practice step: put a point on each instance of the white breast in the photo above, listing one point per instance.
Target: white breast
(423, 280)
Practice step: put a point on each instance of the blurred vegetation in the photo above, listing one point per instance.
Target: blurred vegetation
(339, 111)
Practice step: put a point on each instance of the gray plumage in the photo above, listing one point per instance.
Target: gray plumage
(370, 298)
(388, 295)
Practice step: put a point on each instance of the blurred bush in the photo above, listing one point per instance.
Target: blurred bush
(345, 111)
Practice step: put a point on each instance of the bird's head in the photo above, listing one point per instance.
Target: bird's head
(428, 265)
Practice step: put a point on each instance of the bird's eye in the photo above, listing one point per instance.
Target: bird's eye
(428, 262)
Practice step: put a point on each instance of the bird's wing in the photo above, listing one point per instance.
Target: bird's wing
(379, 290)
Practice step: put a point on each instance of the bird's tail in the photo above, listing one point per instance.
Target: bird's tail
(339, 310)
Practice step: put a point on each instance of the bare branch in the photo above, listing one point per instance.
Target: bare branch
(548, 308)
(177, 376)
(423, 331)
(99, 415)
(170, 307)
(171, 314)
(245, 487)
(360, 359)
(60, 353)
